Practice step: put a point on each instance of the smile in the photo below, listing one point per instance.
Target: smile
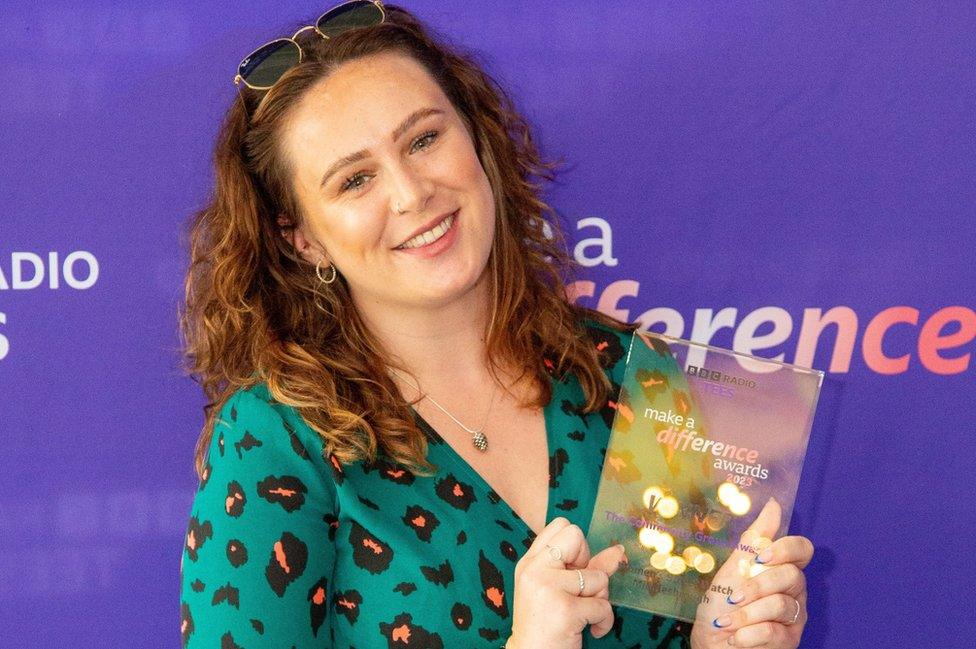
(430, 236)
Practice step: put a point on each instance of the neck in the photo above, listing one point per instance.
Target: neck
(443, 346)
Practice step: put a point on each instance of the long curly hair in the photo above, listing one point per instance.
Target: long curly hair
(254, 310)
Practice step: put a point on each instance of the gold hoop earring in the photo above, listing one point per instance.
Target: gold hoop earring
(318, 273)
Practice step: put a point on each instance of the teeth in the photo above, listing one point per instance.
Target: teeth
(430, 236)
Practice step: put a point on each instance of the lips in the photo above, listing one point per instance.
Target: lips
(425, 228)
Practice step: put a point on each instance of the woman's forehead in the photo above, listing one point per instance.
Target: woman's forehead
(379, 87)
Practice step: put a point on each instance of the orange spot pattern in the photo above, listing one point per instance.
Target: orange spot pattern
(372, 545)
(682, 403)
(402, 633)
(280, 557)
(626, 412)
(319, 596)
(495, 596)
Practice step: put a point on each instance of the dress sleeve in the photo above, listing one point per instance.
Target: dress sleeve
(258, 557)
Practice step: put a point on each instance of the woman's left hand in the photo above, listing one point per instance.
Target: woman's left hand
(770, 607)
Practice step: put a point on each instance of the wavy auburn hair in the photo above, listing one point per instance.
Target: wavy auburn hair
(254, 310)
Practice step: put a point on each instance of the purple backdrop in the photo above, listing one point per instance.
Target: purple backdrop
(735, 171)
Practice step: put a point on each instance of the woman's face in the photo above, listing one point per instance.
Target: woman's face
(380, 156)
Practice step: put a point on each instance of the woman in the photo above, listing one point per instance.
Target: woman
(407, 417)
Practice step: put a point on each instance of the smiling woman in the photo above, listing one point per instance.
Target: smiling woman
(377, 213)
(406, 415)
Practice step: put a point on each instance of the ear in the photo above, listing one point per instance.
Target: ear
(310, 251)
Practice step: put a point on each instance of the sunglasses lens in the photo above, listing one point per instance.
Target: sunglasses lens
(348, 16)
(267, 63)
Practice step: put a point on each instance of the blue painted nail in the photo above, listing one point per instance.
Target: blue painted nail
(764, 556)
(735, 597)
(722, 622)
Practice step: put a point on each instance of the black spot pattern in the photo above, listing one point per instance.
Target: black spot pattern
(247, 442)
(318, 604)
(227, 594)
(455, 493)
(402, 632)
(287, 491)
(347, 605)
(461, 615)
(286, 563)
(441, 575)
(234, 505)
(422, 521)
(405, 587)
(236, 553)
(368, 551)
(196, 535)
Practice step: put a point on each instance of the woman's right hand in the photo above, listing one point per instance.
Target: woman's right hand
(549, 610)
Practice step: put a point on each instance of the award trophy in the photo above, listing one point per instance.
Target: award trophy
(701, 439)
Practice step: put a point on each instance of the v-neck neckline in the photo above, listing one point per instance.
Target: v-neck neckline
(548, 414)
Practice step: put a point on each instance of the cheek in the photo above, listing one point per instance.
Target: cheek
(352, 233)
(475, 181)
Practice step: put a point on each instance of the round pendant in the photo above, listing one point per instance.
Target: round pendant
(480, 441)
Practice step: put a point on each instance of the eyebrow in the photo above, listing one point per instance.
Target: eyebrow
(398, 132)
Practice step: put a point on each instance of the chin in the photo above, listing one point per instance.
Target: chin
(440, 294)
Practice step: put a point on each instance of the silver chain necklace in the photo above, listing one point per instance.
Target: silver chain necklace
(477, 436)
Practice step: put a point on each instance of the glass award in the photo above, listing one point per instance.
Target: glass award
(701, 439)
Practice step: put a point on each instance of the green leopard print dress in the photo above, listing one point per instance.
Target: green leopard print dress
(285, 548)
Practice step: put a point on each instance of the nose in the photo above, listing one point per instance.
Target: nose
(410, 191)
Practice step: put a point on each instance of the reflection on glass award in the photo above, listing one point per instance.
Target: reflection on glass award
(701, 439)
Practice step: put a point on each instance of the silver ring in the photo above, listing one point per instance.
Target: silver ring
(582, 585)
(557, 555)
(797, 616)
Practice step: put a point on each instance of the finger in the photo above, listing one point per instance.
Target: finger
(755, 538)
(780, 608)
(609, 560)
(765, 526)
(594, 581)
(597, 613)
(764, 634)
(544, 537)
(786, 579)
(789, 549)
(572, 545)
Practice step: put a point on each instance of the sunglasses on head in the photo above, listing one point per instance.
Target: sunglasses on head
(262, 68)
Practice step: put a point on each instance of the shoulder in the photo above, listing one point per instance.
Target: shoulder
(253, 432)
(253, 411)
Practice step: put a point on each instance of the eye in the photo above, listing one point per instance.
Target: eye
(353, 182)
(426, 139)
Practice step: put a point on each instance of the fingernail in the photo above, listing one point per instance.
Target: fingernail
(765, 556)
(722, 622)
(735, 597)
